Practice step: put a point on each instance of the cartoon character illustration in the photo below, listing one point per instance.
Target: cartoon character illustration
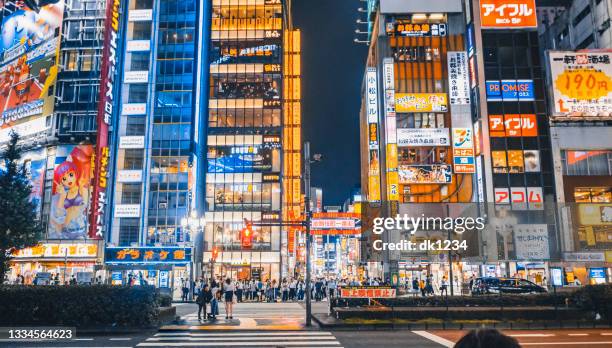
(71, 195)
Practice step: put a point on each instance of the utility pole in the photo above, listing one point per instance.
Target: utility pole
(308, 217)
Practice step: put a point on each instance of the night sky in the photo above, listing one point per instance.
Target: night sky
(332, 71)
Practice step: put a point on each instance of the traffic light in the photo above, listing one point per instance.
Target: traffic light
(246, 235)
(215, 253)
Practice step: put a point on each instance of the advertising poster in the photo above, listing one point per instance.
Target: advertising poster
(28, 66)
(425, 174)
(463, 150)
(513, 125)
(516, 162)
(500, 164)
(36, 163)
(504, 14)
(532, 160)
(581, 82)
(239, 159)
(421, 102)
(510, 90)
(423, 137)
(531, 241)
(70, 192)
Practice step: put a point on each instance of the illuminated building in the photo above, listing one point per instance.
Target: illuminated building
(414, 111)
(253, 139)
(156, 145)
(57, 61)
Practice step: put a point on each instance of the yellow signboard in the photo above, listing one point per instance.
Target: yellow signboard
(595, 214)
(421, 102)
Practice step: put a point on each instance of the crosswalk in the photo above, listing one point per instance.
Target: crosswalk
(272, 339)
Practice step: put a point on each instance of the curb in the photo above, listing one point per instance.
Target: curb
(340, 325)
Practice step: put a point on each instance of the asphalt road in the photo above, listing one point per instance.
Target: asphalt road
(277, 325)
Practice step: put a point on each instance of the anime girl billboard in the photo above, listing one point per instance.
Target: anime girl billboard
(70, 193)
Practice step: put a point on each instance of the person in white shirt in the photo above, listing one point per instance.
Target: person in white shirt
(228, 291)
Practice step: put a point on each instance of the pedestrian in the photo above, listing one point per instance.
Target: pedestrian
(487, 338)
(332, 285)
(185, 291)
(285, 290)
(300, 290)
(73, 280)
(292, 289)
(415, 286)
(238, 287)
(444, 286)
(429, 285)
(214, 302)
(204, 297)
(422, 287)
(228, 291)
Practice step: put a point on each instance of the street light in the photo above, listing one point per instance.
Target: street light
(193, 223)
(307, 161)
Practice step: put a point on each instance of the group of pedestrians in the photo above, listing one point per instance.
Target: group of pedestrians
(425, 286)
(209, 294)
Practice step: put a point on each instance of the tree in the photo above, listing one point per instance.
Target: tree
(19, 225)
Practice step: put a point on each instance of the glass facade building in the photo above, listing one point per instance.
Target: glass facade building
(253, 137)
(156, 137)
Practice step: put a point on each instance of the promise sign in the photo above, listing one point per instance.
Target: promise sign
(106, 110)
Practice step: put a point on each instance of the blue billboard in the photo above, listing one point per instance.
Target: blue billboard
(510, 90)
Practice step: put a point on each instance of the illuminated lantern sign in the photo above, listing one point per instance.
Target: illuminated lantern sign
(335, 224)
(148, 255)
(504, 14)
(106, 111)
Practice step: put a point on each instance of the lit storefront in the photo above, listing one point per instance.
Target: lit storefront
(253, 140)
(41, 264)
(167, 268)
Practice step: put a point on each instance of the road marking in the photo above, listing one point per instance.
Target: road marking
(239, 338)
(120, 339)
(532, 335)
(334, 344)
(578, 334)
(83, 339)
(247, 334)
(437, 339)
(606, 334)
(561, 343)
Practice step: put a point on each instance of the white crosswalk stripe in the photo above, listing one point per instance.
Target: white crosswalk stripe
(272, 339)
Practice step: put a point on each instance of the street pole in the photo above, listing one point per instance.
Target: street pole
(450, 258)
(307, 207)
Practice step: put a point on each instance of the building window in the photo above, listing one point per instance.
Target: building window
(139, 61)
(143, 4)
(141, 31)
(130, 193)
(583, 163)
(133, 159)
(593, 194)
(137, 93)
(128, 231)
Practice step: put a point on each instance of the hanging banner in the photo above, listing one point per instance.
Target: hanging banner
(106, 112)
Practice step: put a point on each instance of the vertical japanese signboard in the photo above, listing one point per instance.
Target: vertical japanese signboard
(458, 78)
(459, 96)
(581, 82)
(106, 110)
(391, 130)
(374, 194)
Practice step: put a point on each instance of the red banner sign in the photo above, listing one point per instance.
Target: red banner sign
(367, 292)
(106, 111)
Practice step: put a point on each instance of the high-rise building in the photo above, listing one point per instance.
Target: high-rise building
(576, 46)
(50, 73)
(155, 146)
(253, 139)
